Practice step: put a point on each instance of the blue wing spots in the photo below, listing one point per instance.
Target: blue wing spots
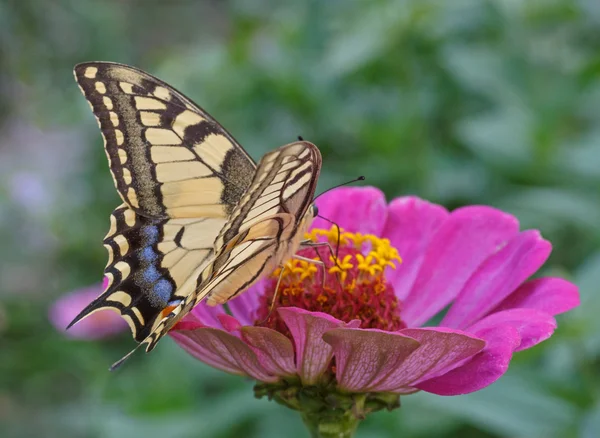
(162, 291)
(147, 255)
(150, 233)
(150, 274)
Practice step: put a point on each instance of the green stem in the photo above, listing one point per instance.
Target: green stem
(326, 411)
(337, 426)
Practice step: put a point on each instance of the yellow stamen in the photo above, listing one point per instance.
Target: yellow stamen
(381, 254)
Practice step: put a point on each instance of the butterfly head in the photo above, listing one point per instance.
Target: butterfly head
(308, 217)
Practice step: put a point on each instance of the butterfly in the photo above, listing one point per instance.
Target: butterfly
(200, 220)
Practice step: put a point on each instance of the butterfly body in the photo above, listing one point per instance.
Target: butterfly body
(200, 219)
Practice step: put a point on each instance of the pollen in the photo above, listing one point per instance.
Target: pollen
(343, 276)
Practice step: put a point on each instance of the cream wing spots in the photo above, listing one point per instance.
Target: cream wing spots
(168, 157)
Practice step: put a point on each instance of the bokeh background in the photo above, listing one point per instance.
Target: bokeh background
(460, 102)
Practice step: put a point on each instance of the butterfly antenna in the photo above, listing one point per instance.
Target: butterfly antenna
(120, 362)
(360, 178)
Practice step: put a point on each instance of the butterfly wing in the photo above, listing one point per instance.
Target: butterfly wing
(274, 213)
(180, 175)
(168, 157)
(285, 182)
(265, 228)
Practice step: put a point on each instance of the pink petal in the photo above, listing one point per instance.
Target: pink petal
(462, 243)
(206, 315)
(229, 323)
(98, 325)
(199, 352)
(275, 351)
(354, 209)
(365, 358)
(243, 307)
(533, 326)
(483, 369)
(188, 323)
(441, 350)
(550, 294)
(313, 355)
(497, 277)
(410, 225)
(223, 351)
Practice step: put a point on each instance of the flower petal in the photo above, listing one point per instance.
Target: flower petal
(361, 209)
(98, 325)
(483, 369)
(504, 332)
(534, 326)
(275, 351)
(188, 323)
(441, 350)
(497, 277)
(228, 322)
(206, 315)
(243, 306)
(410, 225)
(366, 357)
(462, 243)
(313, 355)
(550, 294)
(222, 350)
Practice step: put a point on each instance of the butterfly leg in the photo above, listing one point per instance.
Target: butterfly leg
(316, 262)
(311, 244)
(282, 268)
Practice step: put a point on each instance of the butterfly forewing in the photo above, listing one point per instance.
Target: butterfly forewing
(168, 157)
(273, 217)
(285, 182)
(180, 174)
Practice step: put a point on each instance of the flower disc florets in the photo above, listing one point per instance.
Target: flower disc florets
(350, 286)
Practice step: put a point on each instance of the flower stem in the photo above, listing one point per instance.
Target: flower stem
(326, 411)
(335, 426)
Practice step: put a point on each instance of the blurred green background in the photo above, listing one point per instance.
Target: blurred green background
(460, 102)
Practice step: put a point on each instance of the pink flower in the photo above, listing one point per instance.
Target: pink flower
(361, 329)
(99, 325)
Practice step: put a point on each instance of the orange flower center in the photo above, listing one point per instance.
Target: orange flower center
(351, 287)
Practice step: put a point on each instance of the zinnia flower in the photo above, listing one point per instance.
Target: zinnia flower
(99, 325)
(340, 345)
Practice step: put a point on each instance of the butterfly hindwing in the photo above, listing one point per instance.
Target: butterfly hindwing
(152, 264)
(168, 157)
